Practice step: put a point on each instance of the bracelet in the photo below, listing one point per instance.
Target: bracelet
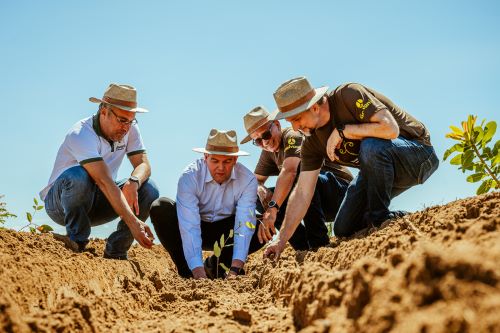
(340, 129)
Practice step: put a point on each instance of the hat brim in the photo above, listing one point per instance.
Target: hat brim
(271, 117)
(319, 92)
(121, 107)
(204, 151)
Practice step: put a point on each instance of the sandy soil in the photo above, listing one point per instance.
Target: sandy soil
(437, 270)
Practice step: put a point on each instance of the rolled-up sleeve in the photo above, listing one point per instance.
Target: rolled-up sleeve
(245, 212)
(188, 214)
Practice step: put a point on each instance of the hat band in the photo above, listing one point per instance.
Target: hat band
(298, 102)
(224, 149)
(258, 124)
(119, 102)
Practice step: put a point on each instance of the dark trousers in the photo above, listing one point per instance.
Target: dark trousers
(325, 203)
(387, 169)
(164, 218)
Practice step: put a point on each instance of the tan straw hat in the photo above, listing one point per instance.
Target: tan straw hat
(256, 118)
(122, 96)
(296, 96)
(221, 143)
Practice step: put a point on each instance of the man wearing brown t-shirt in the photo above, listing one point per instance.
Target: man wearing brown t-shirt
(281, 157)
(359, 127)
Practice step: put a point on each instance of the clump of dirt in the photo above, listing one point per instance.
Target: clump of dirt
(432, 271)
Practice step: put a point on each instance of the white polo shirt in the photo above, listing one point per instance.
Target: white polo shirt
(84, 143)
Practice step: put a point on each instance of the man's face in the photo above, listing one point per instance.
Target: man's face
(220, 166)
(273, 143)
(306, 122)
(115, 123)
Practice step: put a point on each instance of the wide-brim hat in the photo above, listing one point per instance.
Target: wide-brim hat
(256, 118)
(296, 96)
(222, 143)
(122, 96)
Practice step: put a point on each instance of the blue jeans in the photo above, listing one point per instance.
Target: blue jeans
(387, 169)
(325, 203)
(75, 201)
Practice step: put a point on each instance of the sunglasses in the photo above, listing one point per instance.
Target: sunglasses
(265, 136)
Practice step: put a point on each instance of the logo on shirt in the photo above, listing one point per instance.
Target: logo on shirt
(361, 105)
(291, 141)
(120, 147)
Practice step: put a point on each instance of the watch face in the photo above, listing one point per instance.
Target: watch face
(272, 203)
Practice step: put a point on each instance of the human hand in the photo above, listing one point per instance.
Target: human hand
(142, 234)
(199, 273)
(130, 192)
(266, 227)
(333, 143)
(274, 249)
(265, 195)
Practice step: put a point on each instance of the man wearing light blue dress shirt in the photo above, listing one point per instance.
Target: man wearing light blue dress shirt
(214, 195)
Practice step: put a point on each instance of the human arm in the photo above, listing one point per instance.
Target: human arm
(142, 170)
(283, 187)
(298, 203)
(188, 215)
(245, 212)
(102, 176)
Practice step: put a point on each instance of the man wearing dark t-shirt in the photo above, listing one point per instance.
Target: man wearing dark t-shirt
(358, 127)
(280, 157)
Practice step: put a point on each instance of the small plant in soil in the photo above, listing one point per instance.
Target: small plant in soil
(473, 153)
(223, 242)
(4, 213)
(33, 228)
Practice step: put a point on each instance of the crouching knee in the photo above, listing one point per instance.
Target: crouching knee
(162, 209)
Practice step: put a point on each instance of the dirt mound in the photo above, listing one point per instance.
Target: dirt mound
(433, 271)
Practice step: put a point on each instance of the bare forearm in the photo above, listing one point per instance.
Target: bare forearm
(142, 171)
(283, 187)
(374, 130)
(297, 206)
(118, 201)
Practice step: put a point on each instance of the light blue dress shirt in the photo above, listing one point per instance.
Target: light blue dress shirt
(201, 198)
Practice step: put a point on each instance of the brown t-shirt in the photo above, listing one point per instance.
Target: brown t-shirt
(271, 163)
(353, 103)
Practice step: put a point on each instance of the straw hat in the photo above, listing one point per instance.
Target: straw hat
(256, 118)
(296, 96)
(221, 143)
(122, 96)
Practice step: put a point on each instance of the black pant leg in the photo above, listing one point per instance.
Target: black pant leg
(163, 215)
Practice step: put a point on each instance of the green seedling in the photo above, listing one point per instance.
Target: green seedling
(4, 213)
(222, 243)
(473, 153)
(33, 228)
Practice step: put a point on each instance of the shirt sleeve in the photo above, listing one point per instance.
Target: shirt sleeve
(134, 143)
(292, 143)
(84, 145)
(360, 102)
(188, 214)
(245, 212)
(266, 165)
(311, 157)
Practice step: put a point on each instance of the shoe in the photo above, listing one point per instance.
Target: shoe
(70, 244)
(398, 213)
(107, 256)
(393, 215)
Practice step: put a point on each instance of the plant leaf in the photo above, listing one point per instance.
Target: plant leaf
(484, 187)
(39, 208)
(454, 148)
(231, 233)
(489, 131)
(35, 201)
(29, 217)
(457, 160)
(249, 225)
(222, 240)
(478, 134)
(224, 267)
(475, 177)
(44, 228)
(456, 130)
(32, 230)
(216, 249)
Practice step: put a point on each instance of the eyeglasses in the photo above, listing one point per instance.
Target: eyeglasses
(265, 136)
(122, 120)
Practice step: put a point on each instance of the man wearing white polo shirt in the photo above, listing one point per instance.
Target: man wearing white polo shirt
(82, 191)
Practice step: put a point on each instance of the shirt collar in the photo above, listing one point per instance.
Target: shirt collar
(96, 125)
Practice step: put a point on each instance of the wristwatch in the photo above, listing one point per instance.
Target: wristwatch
(272, 204)
(340, 129)
(135, 180)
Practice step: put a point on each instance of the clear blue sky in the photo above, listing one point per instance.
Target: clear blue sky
(204, 64)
